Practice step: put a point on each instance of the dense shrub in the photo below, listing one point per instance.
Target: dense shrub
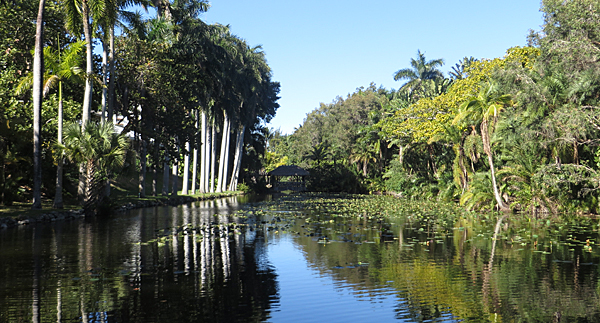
(334, 178)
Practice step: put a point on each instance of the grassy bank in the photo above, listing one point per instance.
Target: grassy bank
(124, 192)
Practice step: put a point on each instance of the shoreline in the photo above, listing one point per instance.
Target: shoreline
(54, 215)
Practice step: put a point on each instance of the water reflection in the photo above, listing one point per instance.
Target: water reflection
(175, 264)
(212, 262)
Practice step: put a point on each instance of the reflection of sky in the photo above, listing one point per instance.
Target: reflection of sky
(306, 295)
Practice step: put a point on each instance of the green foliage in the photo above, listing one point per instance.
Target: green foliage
(336, 127)
(573, 187)
(399, 181)
(421, 77)
(244, 188)
(100, 150)
(328, 177)
(479, 195)
(273, 160)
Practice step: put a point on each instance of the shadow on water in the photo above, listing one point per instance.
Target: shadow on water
(190, 263)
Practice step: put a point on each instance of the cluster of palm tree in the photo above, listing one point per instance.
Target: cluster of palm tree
(179, 87)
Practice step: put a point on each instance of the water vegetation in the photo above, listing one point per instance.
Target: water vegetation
(431, 261)
(448, 263)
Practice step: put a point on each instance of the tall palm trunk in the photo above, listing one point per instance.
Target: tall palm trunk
(206, 158)
(143, 164)
(104, 80)
(155, 167)
(227, 149)
(224, 158)
(213, 153)
(485, 138)
(237, 161)
(174, 179)
(195, 160)
(166, 175)
(38, 78)
(203, 153)
(58, 197)
(87, 96)
(111, 81)
(186, 169)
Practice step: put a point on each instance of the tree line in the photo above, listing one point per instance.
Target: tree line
(193, 98)
(519, 132)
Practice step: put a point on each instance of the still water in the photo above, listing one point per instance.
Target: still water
(305, 258)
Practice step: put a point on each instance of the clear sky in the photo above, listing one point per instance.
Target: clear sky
(321, 49)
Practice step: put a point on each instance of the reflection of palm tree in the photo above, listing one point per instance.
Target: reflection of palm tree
(420, 73)
(483, 109)
(100, 150)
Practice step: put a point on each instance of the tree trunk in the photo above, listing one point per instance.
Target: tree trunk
(143, 159)
(195, 159)
(104, 79)
(186, 169)
(223, 159)
(364, 168)
(58, 197)
(226, 165)
(87, 96)
(206, 158)
(111, 80)
(461, 162)
(166, 175)
(237, 161)
(488, 151)
(38, 79)
(203, 153)
(155, 167)
(174, 178)
(213, 153)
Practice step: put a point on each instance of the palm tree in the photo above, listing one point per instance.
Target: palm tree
(101, 150)
(456, 136)
(80, 13)
(60, 67)
(362, 154)
(458, 71)
(319, 153)
(38, 76)
(420, 73)
(257, 86)
(483, 110)
(113, 15)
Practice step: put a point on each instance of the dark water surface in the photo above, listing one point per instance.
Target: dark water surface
(230, 260)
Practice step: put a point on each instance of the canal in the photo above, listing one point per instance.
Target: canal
(302, 258)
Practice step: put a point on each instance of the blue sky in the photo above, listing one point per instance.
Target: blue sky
(321, 49)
